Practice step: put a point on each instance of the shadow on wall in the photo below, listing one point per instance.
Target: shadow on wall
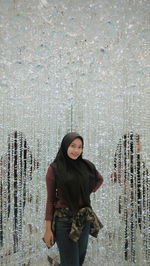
(131, 173)
(16, 168)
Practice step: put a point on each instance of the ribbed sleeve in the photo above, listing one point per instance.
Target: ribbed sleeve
(50, 185)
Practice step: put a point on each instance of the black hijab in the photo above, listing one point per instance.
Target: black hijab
(75, 178)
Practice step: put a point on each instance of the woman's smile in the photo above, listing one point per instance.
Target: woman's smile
(75, 149)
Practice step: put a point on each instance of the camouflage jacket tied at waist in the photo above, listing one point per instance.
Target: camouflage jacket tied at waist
(85, 214)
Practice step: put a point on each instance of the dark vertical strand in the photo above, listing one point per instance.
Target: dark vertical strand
(1, 212)
(24, 145)
(8, 175)
(15, 194)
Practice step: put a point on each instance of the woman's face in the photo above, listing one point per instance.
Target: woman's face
(75, 149)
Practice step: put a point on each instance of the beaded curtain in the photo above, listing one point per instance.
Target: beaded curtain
(75, 66)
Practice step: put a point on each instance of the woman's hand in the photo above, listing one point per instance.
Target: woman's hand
(49, 238)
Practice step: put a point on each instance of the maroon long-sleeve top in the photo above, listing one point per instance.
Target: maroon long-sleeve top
(55, 199)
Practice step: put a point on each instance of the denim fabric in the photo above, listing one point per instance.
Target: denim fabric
(71, 253)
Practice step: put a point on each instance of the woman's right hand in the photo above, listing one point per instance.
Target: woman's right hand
(49, 238)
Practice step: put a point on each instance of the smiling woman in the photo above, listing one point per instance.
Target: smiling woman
(75, 149)
(69, 216)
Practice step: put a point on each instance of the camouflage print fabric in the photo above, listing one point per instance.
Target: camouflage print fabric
(84, 215)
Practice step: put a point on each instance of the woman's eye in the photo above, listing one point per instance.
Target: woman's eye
(73, 146)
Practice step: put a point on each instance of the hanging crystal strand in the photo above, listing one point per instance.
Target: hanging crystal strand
(127, 200)
(11, 193)
(142, 181)
(139, 171)
(146, 213)
(37, 197)
(37, 193)
(132, 188)
(140, 197)
(5, 173)
(123, 166)
(121, 200)
(28, 179)
(3, 202)
(133, 196)
(1, 205)
(16, 187)
(20, 149)
(23, 196)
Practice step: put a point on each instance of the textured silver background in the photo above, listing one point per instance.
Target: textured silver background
(75, 65)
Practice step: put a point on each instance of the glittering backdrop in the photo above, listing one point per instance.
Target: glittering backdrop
(71, 65)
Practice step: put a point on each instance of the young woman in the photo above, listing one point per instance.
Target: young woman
(69, 216)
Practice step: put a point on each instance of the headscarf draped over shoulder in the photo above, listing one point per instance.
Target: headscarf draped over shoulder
(76, 178)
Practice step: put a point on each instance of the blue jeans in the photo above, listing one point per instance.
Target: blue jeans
(71, 253)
